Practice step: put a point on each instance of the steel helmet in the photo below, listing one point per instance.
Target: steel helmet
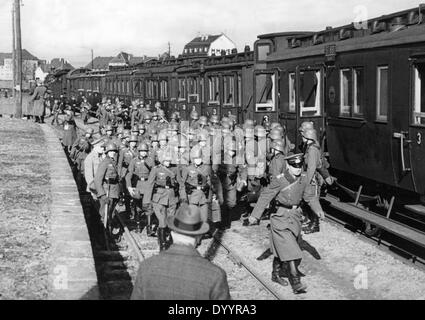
(276, 134)
(141, 127)
(196, 153)
(226, 132)
(260, 132)
(155, 115)
(174, 116)
(111, 147)
(274, 125)
(203, 136)
(174, 126)
(149, 108)
(126, 133)
(134, 138)
(214, 119)
(306, 126)
(158, 105)
(90, 131)
(203, 121)
(162, 136)
(225, 121)
(161, 113)
(154, 138)
(310, 134)
(109, 127)
(248, 124)
(153, 131)
(143, 147)
(194, 115)
(279, 145)
(135, 129)
(147, 116)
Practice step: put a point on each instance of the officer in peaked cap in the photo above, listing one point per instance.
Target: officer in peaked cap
(288, 190)
(181, 271)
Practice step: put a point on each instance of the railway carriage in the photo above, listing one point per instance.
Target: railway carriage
(362, 86)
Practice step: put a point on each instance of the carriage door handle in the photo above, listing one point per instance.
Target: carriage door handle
(403, 140)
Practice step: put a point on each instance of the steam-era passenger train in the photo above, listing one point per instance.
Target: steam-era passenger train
(361, 84)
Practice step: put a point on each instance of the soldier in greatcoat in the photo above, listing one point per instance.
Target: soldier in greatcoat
(285, 224)
(38, 101)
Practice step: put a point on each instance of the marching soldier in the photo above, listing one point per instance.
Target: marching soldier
(108, 185)
(183, 156)
(286, 222)
(164, 192)
(91, 164)
(79, 152)
(196, 180)
(70, 131)
(228, 172)
(138, 186)
(85, 109)
(143, 135)
(277, 164)
(55, 112)
(194, 122)
(215, 122)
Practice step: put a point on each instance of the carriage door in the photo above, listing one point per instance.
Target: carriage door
(266, 96)
(194, 89)
(164, 93)
(231, 82)
(213, 98)
(182, 99)
(309, 99)
(417, 127)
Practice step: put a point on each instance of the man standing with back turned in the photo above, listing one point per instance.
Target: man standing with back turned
(181, 273)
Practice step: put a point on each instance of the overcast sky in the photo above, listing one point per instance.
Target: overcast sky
(70, 28)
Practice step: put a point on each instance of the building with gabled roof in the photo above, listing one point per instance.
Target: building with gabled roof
(210, 45)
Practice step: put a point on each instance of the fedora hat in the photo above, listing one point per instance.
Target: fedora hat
(188, 221)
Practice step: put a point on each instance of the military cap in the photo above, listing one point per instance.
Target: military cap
(143, 147)
(295, 160)
(188, 221)
(194, 115)
(134, 138)
(111, 147)
(203, 121)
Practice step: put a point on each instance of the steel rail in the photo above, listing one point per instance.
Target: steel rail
(251, 271)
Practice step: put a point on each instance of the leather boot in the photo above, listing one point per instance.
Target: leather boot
(313, 227)
(149, 231)
(168, 238)
(294, 279)
(276, 277)
(161, 239)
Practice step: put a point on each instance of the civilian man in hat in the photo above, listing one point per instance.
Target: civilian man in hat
(181, 273)
(288, 190)
(91, 164)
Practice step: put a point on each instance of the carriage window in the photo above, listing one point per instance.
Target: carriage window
(214, 90)
(182, 89)
(164, 90)
(128, 86)
(229, 90)
(351, 88)
(292, 93)
(382, 94)
(310, 93)
(192, 87)
(201, 90)
(418, 95)
(239, 102)
(265, 92)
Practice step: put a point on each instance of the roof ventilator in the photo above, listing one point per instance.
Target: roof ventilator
(379, 26)
(345, 33)
(318, 39)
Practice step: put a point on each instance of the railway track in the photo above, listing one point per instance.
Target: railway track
(248, 279)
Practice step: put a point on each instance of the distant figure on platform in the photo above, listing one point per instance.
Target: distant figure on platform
(69, 130)
(38, 100)
(181, 273)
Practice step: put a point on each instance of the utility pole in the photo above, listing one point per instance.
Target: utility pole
(13, 51)
(92, 59)
(18, 55)
(169, 49)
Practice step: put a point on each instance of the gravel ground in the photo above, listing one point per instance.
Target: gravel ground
(350, 267)
(24, 211)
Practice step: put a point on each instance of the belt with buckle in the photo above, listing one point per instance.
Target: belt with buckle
(286, 206)
(143, 179)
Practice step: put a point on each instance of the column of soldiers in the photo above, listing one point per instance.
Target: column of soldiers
(154, 166)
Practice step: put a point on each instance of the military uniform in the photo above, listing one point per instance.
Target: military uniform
(107, 186)
(196, 183)
(85, 108)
